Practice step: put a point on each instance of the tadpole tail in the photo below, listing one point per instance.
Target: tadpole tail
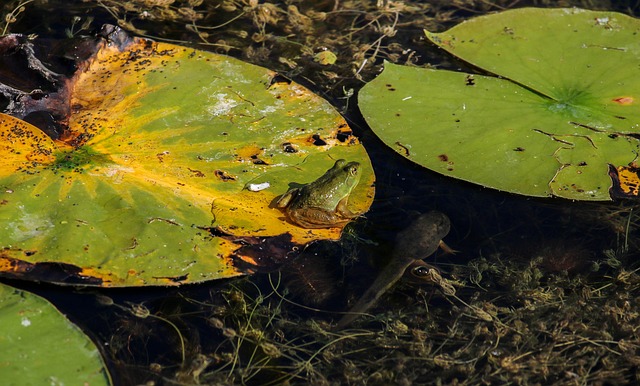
(385, 280)
(419, 240)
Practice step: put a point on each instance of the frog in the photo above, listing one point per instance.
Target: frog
(417, 241)
(420, 272)
(323, 202)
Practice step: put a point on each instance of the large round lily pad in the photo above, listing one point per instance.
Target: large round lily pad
(555, 112)
(39, 346)
(156, 179)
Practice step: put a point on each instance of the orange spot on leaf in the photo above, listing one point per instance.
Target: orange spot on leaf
(624, 101)
(625, 181)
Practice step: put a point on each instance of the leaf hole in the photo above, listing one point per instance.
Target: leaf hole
(318, 141)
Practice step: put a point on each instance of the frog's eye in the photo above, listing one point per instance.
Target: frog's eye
(339, 163)
(350, 169)
(420, 271)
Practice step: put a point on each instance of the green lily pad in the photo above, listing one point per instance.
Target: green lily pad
(156, 179)
(39, 346)
(554, 113)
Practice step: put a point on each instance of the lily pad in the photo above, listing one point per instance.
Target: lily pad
(39, 346)
(552, 111)
(152, 179)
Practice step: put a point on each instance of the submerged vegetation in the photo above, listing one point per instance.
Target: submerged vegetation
(545, 290)
(515, 318)
(290, 37)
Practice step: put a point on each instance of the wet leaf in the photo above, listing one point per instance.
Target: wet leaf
(39, 346)
(555, 115)
(325, 58)
(153, 182)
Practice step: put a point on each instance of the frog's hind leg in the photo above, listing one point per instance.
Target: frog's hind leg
(317, 218)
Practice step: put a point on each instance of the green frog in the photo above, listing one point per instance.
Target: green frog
(419, 240)
(323, 202)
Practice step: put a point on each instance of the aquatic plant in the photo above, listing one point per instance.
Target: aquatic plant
(157, 164)
(550, 110)
(40, 345)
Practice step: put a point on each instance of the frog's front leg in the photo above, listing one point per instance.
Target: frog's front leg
(343, 211)
(286, 198)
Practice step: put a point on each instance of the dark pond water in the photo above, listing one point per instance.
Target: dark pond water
(545, 288)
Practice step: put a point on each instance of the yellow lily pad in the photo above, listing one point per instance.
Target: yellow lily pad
(150, 184)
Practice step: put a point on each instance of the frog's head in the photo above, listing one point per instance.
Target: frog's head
(346, 175)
